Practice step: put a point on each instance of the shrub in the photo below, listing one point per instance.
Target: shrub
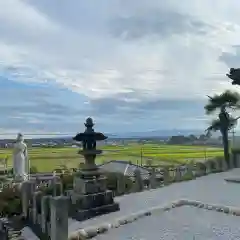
(10, 203)
(67, 181)
(112, 178)
(235, 150)
(220, 161)
(212, 165)
(201, 169)
(10, 171)
(49, 190)
(187, 177)
(58, 170)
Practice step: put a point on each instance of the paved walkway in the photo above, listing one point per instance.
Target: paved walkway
(209, 189)
(184, 223)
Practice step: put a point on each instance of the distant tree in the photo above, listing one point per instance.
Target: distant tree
(203, 137)
(192, 137)
(177, 139)
(181, 139)
(223, 103)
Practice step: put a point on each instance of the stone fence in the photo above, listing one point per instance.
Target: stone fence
(162, 176)
(38, 206)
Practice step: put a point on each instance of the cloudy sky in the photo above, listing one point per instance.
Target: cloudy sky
(132, 65)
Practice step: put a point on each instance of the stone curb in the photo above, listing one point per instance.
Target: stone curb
(233, 180)
(89, 233)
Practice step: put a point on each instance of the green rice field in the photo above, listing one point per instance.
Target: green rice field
(48, 159)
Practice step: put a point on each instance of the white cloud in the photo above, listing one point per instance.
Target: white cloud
(151, 49)
(22, 17)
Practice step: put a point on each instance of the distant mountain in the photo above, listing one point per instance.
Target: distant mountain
(156, 133)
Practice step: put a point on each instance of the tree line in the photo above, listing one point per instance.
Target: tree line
(181, 139)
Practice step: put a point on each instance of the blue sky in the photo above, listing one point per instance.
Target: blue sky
(134, 65)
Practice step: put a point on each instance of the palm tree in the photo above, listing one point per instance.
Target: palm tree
(223, 102)
(234, 75)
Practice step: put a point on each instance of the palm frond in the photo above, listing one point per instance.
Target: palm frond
(227, 99)
(216, 125)
(234, 75)
(232, 123)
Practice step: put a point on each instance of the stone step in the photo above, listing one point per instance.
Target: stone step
(82, 215)
(233, 179)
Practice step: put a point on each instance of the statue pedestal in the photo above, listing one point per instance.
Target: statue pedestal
(90, 198)
(85, 206)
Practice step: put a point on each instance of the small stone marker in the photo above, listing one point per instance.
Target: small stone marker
(166, 177)
(59, 218)
(190, 169)
(224, 165)
(35, 203)
(121, 184)
(26, 194)
(178, 174)
(231, 161)
(152, 179)
(208, 167)
(138, 185)
(45, 212)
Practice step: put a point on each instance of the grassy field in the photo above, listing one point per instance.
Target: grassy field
(47, 159)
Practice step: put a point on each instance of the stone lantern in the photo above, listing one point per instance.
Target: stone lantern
(90, 196)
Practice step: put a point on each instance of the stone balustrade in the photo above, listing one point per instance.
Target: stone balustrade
(171, 175)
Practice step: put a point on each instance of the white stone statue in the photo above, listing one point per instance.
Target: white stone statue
(20, 159)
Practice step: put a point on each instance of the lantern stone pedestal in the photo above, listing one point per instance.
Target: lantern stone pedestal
(90, 196)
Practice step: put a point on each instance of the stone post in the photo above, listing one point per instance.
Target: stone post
(35, 206)
(152, 179)
(26, 194)
(190, 169)
(120, 184)
(138, 185)
(208, 167)
(178, 174)
(199, 171)
(45, 206)
(237, 160)
(217, 163)
(59, 186)
(54, 185)
(166, 177)
(234, 159)
(224, 165)
(59, 218)
(231, 162)
(149, 162)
